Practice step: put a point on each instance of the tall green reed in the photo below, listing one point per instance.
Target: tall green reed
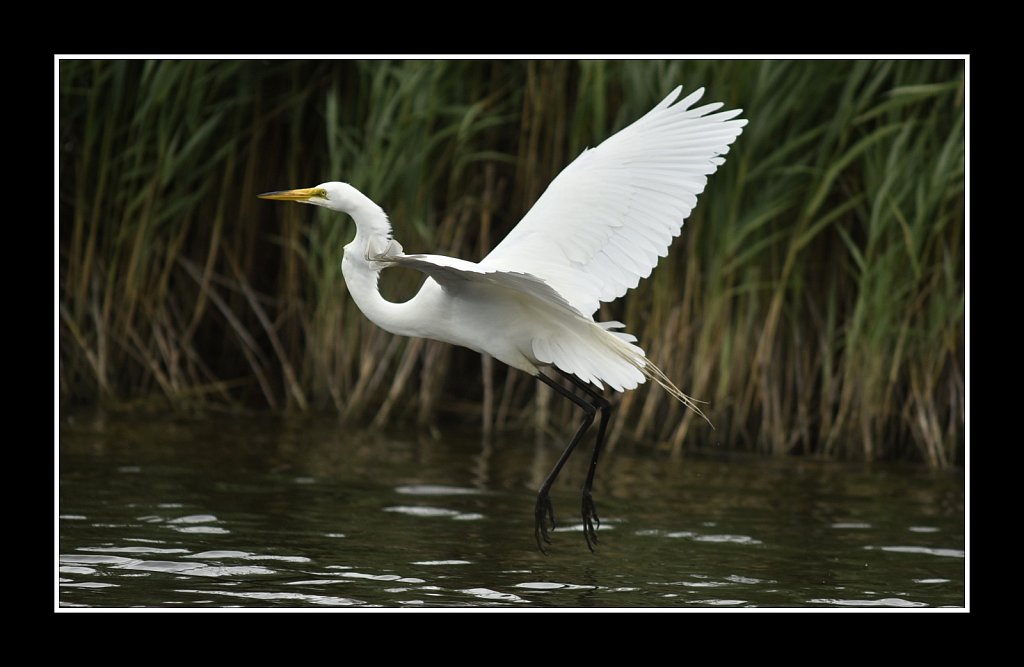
(815, 298)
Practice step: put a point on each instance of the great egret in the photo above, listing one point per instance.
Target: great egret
(597, 230)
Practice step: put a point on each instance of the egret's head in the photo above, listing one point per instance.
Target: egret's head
(371, 221)
(333, 195)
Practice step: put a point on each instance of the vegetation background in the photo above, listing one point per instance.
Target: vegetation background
(816, 298)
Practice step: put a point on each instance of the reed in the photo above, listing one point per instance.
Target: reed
(816, 298)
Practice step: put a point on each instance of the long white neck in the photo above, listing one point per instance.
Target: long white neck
(373, 237)
(361, 278)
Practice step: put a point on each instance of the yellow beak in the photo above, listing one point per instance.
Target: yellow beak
(293, 195)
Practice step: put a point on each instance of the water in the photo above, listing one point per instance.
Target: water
(264, 513)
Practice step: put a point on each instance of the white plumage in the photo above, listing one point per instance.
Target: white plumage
(604, 222)
(599, 228)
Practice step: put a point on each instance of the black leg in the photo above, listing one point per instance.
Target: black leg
(543, 509)
(591, 522)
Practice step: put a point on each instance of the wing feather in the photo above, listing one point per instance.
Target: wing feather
(606, 220)
(559, 335)
(450, 271)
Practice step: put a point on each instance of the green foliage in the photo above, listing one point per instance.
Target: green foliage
(815, 299)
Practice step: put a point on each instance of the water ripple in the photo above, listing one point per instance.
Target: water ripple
(422, 511)
(551, 585)
(488, 594)
(578, 528)
(215, 555)
(85, 559)
(229, 571)
(201, 530)
(697, 537)
(195, 518)
(245, 555)
(735, 539)
(948, 553)
(317, 582)
(170, 566)
(883, 602)
(191, 568)
(436, 490)
(384, 577)
(326, 600)
(372, 577)
(76, 569)
(283, 559)
(748, 580)
(717, 603)
(136, 550)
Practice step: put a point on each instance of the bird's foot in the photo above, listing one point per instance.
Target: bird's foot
(541, 514)
(591, 522)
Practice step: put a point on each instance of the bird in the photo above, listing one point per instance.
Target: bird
(600, 227)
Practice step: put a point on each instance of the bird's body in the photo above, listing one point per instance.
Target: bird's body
(599, 228)
(514, 317)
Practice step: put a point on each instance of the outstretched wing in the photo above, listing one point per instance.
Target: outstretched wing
(604, 222)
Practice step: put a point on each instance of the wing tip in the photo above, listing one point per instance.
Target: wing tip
(668, 100)
(690, 99)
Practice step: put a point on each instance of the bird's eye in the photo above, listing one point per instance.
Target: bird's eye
(322, 193)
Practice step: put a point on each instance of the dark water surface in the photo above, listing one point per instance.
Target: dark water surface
(267, 513)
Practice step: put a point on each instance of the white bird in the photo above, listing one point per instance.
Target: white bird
(599, 228)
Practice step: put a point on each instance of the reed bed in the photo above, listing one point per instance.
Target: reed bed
(815, 300)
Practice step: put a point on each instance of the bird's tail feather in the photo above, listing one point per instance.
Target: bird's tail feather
(655, 373)
(591, 350)
(638, 359)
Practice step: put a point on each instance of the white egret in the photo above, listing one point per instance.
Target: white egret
(599, 228)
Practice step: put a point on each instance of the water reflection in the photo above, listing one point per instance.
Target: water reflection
(247, 513)
(884, 602)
